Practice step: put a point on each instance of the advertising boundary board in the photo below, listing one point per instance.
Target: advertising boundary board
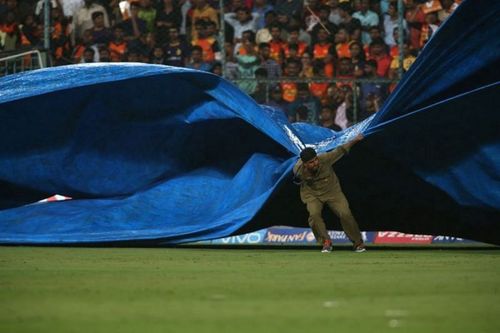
(303, 236)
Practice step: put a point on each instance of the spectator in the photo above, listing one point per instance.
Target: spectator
(100, 34)
(307, 70)
(301, 114)
(293, 40)
(82, 44)
(289, 88)
(260, 92)
(289, 7)
(196, 61)
(261, 8)
(104, 54)
(305, 99)
(133, 55)
(428, 28)
(209, 44)
(353, 25)
(203, 11)
(324, 50)
(367, 18)
(83, 19)
(357, 58)
(323, 23)
(449, 7)
(216, 68)
(375, 33)
(168, 17)
(88, 55)
(148, 14)
(31, 32)
(231, 65)
(10, 31)
(415, 18)
(276, 99)
(370, 90)
(342, 42)
(246, 35)
(117, 46)
(394, 49)
(248, 63)
(408, 60)
(334, 16)
(264, 34)
(133, 27)
(304, 36)
(60, 37)
(378, 52)
(345, 70)
(276, 44)
(273, 69)
(341, 112)
(327, 118)
(177, 51)
(391, 22)
(157, 56)
(242, 20)
(318, 89)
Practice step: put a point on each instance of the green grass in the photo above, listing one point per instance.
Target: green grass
(248, 290)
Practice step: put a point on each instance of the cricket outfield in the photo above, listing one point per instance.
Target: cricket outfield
(248, 290)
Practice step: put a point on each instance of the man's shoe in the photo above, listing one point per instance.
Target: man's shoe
(327, 246)
(359, 248)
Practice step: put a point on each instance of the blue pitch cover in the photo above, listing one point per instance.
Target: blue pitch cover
(157, 155)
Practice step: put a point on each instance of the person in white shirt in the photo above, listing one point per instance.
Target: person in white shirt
(242, 20)
(367, 18)
(83, 17)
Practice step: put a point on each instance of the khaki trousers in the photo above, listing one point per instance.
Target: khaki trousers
(340, 207)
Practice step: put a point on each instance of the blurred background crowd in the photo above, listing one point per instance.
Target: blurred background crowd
(326, 62)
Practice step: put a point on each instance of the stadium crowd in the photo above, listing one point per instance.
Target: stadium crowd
(280, 40)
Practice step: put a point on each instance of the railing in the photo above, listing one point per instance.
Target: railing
(355, 84)
(16, 62)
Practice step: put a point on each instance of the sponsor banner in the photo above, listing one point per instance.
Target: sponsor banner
(394, 237)
(450, 240)
(289, 236)
(277, 235)
(256, 237)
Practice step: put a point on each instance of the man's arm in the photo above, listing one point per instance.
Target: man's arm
(297, 172)
(333, 156)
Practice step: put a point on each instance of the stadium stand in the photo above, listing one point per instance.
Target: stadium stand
(262, 45)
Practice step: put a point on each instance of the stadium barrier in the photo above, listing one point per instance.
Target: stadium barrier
(304, 236)
(17, 62)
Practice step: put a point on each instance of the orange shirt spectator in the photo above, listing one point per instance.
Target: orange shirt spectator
(289, 89)
(117, 50)
(343, 50)
(378, 53)
(204, 12)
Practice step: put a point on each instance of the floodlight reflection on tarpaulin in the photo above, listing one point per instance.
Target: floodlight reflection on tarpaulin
(159, 155)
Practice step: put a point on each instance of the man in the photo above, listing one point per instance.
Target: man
(83, 18)
(319, 185)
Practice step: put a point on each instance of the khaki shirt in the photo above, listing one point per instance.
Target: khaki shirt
(324, 183)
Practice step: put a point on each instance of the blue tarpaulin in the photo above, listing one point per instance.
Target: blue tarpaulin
(161, 155)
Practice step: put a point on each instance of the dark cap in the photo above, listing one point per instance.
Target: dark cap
(307, 154)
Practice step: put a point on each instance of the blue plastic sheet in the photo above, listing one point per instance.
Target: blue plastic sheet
(161, 155)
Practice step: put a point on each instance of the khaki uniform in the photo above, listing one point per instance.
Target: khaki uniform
(324, 188)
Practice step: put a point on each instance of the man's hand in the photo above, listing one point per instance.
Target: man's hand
(358, 138)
